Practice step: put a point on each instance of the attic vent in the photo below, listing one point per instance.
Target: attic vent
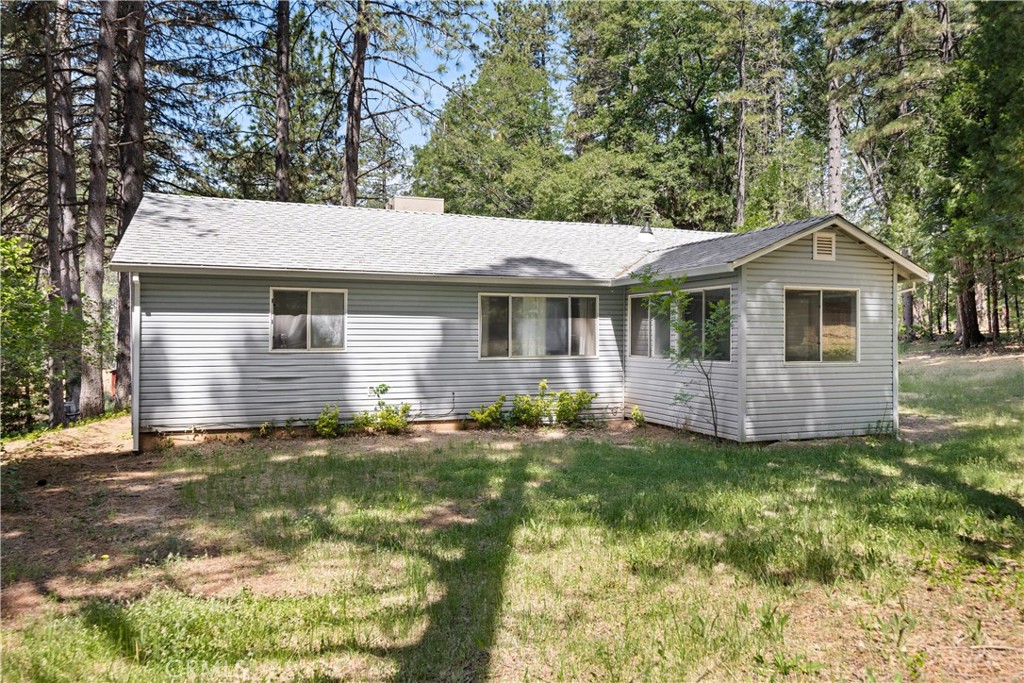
(824, 246)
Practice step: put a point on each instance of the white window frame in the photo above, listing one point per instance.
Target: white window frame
(650, 335)
(480, 325)
(821, 325)
(629, 321)
(309, 320)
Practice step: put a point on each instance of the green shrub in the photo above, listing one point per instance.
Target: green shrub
(490, 416)
(390, 419)
(530, 411)
(638, 417)
(570, 406)
(328, 424)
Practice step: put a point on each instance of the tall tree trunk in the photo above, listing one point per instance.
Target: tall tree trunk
(835, 132)
(741, 125)
(132, 48)
(53, 235)
(945, 32)
(283, 110)
(92, 351)
(1006, 306)
(966, 306)
(65, 139)
(354, 105)
(993, 297)
(907, 297)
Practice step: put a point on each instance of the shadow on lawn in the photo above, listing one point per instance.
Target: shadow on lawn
(775, 515)
(456, 512)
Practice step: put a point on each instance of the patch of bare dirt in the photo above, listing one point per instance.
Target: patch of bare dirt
(83, 514)
(927, 429)
(928, 630)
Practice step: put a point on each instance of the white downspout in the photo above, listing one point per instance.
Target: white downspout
(136, 360)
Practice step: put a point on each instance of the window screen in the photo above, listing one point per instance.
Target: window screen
(821, 325)
(302, 319)
(537, 326)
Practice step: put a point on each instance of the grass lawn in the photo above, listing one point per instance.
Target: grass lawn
(650, 556)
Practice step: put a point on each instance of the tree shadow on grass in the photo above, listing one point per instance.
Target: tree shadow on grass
(805, 512)
(455, 515)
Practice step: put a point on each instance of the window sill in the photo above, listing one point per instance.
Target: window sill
(504, 358)
(308, 350)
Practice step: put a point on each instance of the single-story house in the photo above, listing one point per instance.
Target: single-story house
(248, 312)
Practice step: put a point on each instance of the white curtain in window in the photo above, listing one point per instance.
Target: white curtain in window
(528, 333)
(327, 324)
(584, 327)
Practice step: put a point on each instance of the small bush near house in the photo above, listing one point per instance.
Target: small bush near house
(638, 417)
(386, 418)
(490, 416)
(532, 411)
(328, 424)
(571, 406)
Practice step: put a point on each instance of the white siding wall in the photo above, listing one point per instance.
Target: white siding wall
(652, 383)
(205, 361)
(798, 401)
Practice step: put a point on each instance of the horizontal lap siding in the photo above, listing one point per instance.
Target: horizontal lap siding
(822, 399)
(653, 384)
(205, 361)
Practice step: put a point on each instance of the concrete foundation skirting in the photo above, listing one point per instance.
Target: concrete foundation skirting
(149, 441)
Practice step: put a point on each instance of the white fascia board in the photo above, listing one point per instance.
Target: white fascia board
(350, 275)
(718, 269)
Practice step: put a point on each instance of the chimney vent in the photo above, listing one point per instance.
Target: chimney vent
(426, 204)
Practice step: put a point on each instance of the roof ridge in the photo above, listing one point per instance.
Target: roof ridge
(536, 221)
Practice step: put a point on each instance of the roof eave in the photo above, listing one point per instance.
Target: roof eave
(701, 271)
(183, 269)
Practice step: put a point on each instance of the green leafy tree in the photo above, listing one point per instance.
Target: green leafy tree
(976, 222)
(699, 337)
(34, 330)
(240, 157)
(499, 131)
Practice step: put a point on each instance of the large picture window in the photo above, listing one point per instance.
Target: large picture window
(307, 319)
(821, 325)
(527, 326)
(650, 333)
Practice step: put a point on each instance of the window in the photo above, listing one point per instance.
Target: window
(307, 319)
(650, 334)
(821, 325)
(702, 305)
(520, 326)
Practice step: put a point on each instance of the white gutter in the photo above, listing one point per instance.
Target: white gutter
(350, 275)
(718, 269)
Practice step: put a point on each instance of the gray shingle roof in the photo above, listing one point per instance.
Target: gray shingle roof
(178, 231)
(727, 248)
(200, 232)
